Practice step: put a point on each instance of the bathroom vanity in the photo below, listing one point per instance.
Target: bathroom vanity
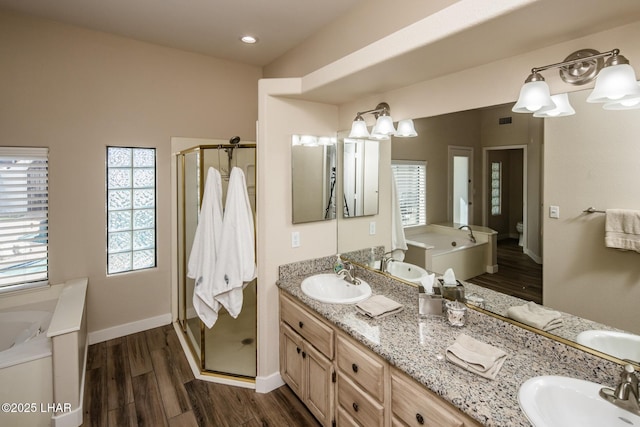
(354, 370)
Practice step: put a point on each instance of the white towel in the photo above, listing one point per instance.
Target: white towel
(535, 315)
(205, 249)
(398, 240)
(622, 229)
(236, 260)
(475, 356)
(378, 306)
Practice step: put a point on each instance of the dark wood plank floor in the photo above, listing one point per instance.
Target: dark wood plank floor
(144, 379)
(518, 275)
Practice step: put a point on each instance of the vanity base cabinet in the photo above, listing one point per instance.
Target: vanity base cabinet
(413, 405)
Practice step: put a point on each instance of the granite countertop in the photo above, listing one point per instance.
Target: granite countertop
(417, 346)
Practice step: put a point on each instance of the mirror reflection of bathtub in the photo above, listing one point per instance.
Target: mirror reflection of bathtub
(438, 247)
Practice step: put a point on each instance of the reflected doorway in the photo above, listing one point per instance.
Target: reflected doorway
(460, 185)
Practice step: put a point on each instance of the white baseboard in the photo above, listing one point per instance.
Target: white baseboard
(129, 328)
(533, 256)
(491, 268)
(269, 383)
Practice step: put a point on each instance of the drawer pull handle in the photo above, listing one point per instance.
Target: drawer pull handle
(300, 324)
(420, 419)
(355, 406)
(354, 367)
(298, 350)
(304, 355)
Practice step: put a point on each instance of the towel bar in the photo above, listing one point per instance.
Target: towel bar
(591, 210)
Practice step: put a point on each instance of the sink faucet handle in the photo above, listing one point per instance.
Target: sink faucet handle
(628, 384)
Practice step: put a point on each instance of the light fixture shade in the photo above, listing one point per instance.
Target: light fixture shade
(406, 129)
(359, 129)
(615, 83)
(562, 107)
(534, 96)
(627, 104)
(384, 126)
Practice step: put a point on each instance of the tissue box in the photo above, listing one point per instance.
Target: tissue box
(429, 304)
(453, 293)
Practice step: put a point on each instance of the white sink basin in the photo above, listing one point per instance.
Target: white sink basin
(617, 344)
(405, 271)
(550, 401)
(333, 289)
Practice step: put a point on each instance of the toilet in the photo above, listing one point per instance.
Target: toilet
(520, 228)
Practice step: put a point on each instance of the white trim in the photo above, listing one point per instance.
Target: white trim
(129, 328)
(533, 256)
(269, 383)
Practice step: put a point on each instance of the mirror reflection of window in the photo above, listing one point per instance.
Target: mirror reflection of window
(360, 186)
(411, 184)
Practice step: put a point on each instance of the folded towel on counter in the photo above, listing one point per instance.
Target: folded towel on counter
(475, 356)
(622, 229)
(535, 315)
(378, 306)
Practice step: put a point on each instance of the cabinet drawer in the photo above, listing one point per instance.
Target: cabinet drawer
(312, 329)
(416, 406)
(358, 404)
(344, 419)
(361, 366)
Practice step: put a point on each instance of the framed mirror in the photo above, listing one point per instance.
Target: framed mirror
(571, 163)
(314, 176)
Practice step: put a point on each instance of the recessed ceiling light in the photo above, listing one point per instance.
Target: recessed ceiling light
(249, 39)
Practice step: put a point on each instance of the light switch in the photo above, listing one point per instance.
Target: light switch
(554, 212)
(372, 228)
(295, 239)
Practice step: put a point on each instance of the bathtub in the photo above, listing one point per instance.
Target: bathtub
(41, 341)
(438, 247)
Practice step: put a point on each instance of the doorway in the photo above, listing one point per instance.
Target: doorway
(460, 210)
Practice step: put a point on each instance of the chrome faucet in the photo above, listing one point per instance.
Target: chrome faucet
(348, 274)
(471, 236)
(626, 394)
(385, 260)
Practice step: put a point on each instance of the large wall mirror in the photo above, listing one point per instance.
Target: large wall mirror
(577, 161)
(314, 177)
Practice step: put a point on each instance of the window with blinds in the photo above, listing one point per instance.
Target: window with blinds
(411, 183)
(24, 206)
(131, 209)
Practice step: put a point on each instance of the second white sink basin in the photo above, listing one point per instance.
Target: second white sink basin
(617, 344)
(404, 270)
(550, 401)
(333, 289)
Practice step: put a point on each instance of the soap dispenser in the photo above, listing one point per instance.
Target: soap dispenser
(338, 265)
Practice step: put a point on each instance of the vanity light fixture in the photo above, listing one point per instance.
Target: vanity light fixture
(615, 83)
(383, 129)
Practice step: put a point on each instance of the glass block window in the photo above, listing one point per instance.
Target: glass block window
(131, 209)
(24, 210)
(411, 183)
(496, 188)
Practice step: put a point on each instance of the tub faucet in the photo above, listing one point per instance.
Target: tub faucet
(626, 394)
(471, 236)
(348, 275)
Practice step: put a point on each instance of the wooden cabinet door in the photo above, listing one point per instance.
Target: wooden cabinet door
(291, 361)
(319, 387)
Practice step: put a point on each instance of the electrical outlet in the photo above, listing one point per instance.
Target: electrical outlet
(554, 212)
(295, 239)
(372, 228)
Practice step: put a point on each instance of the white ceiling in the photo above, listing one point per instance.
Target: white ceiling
(210, 27)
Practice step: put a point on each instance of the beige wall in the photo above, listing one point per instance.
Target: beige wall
(78, 91)
(591, 159)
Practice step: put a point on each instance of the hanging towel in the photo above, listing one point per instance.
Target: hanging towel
(205, 249)
(535, 315)
(236, 262)
(398, 241)
(476, 356)
(622, 229)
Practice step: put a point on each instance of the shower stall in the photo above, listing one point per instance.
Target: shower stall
(228, 349)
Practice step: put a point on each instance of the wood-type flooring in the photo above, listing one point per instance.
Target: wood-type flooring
(518, 275)
(144, 379)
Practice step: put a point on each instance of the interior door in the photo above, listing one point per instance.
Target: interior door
(461, 185)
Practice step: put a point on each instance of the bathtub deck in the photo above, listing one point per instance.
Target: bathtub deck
(144, 379)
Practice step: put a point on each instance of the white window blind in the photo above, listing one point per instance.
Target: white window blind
(131, 209)
(24, 206)
(411, 183)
